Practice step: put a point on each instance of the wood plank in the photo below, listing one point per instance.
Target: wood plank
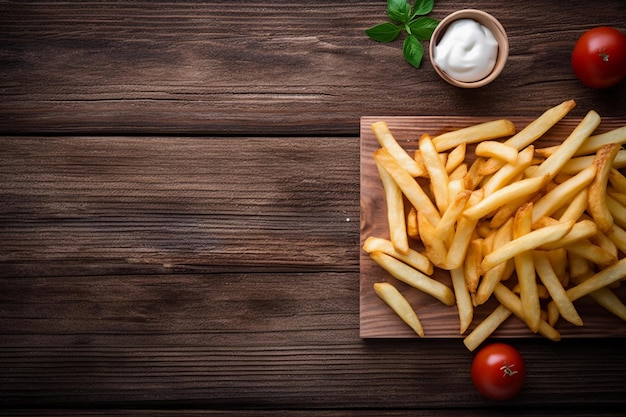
(98, 205)
(377, 320)
(270, 341)
(194, 67)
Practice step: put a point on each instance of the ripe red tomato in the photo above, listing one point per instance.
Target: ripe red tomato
(599, 57)
(498, 371)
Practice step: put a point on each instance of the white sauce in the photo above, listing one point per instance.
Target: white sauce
(467, 51)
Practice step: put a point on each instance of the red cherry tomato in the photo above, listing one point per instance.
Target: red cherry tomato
(498, 371)
(599, 57)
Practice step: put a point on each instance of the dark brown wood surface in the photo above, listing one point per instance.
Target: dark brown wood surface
(179, 209)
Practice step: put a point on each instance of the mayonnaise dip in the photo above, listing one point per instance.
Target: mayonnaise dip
(467, 51)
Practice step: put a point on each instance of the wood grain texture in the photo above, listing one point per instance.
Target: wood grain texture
(271, 67)
(179, 196)
(377, 319)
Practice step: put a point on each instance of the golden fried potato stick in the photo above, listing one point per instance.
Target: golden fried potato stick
(617, 210)
(581, 230)
(451, 215)
(525, 269)
(618, 180)
(503, 235)
(492, 202)
(394, 299)
(563, 193)
(435, 247)
(527, 242)
(395, 211)
(463, 299)
(505, 175)
(531, 132)
(508, 299)
(599, 281)
(555, 288)
(579, 163)
(412, 257)
(498, 150)
(414, 278)
(597, 205)
(471, 265)
(555, 162)
(593, 143)
(409, 186)
(436, 172)
(411, 224)
(388, 141)
(456, 157)
(594, 253)
(462, 237)
(618, 236)
(472, 134)
(486, 327)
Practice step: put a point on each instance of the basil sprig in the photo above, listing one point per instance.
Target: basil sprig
(412, 19)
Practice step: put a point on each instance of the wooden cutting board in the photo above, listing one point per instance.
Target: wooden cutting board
(439, 321)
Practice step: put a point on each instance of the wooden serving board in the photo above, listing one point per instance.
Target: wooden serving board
(376, 319)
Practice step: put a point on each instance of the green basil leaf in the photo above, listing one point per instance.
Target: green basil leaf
(413, 51)
(423, 27)
(399, 10)
(422, 7)
(384, 32)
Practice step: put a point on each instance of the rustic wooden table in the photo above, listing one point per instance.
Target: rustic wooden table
(179, 209)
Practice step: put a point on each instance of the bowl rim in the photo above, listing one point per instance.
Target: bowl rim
(484, 19)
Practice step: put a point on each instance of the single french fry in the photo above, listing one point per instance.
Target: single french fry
(553, 285)
(504, 195)
(409, 186)
(414, 278)
(486, 327)
(508, 172)
(525, 269)
(452, 214)
(463, 299)
(601, 279)
(507, 298)
(527, 242)
(435, 247)
(461, 240)
(473, 178)
(395, 211)
(618, 211)
(436, 172)
(618, 180)
(553, 164)
(576, 207)
(471, 265)
(579, 163)
(563, 193)
(394, 299)
(618, 236)
(459, 173)
(531, 132)
(456, 157)
(597, 205)
(412, 229)
(595, 142)
(594, 253)
(412, 257)
(495, 274)
(472, 134)
(498, 150)
(388, 141)
(581, 230)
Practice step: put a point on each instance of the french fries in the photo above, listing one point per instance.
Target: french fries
(547, 222)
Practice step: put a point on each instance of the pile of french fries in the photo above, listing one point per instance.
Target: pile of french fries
(536, 228)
